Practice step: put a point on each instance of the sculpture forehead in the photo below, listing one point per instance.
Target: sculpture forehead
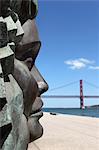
(26, 9)
(16, 5)
(30, 32)
(5, 3)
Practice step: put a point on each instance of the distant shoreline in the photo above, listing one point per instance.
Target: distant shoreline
(93, 106)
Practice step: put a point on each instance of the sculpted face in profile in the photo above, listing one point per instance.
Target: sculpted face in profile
(29, 79)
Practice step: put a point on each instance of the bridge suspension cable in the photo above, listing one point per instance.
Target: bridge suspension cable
(62, 86)
(91, 84)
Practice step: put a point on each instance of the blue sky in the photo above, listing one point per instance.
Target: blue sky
(69, 31)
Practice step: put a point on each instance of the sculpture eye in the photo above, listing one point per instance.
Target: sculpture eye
(28, 50)
(29, 63)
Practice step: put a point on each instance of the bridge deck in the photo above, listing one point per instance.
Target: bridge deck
(69, 96)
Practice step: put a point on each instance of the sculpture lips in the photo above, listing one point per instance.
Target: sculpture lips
(38, 114)
(37, 105)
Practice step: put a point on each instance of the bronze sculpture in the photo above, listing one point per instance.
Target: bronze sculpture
(26, 74)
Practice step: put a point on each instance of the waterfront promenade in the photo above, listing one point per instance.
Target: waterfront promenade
(68, 132)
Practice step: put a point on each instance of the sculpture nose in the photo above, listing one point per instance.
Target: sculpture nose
(42, 84)
(43, 87)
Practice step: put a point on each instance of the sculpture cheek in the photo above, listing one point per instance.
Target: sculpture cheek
(29, 63)
(27, 84)
(23, 134)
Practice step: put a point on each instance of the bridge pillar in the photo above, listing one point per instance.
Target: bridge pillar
(81, 95)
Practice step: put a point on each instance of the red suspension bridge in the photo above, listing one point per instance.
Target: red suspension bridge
(80, 96)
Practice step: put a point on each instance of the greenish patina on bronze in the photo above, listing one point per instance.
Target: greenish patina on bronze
(21, 84)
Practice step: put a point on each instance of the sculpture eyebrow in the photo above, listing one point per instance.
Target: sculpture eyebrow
(28, 50)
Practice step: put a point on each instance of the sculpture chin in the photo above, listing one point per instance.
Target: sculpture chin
(35, 128)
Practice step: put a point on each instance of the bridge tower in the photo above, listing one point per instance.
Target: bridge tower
(81, 95)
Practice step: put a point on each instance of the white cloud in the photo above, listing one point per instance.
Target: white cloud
(78, 63)
(86, 61)
(75, 64)
(94, 67)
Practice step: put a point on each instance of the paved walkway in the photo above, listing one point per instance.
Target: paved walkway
(66, 132)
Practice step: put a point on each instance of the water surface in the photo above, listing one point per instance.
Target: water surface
(92, 112)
